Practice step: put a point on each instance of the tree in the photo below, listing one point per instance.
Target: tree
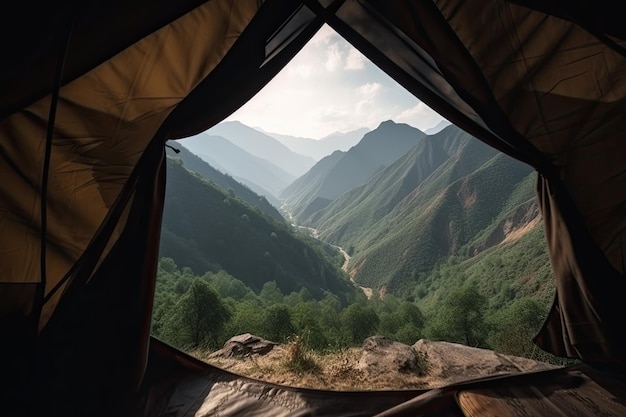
(277, 323)
(168, 265)
(270, 293)
(515, 327)
(409, 313)
(226, 285)
(359, 322)
(460, 318)
(197, 319)
(410, 322)
(247, 318)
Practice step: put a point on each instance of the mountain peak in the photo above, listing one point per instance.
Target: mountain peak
(386, 123)
(391, 125)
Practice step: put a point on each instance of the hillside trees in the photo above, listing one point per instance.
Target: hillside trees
(194, 312)
(516, 326)
(359, 322)
(461, 318)
(277, 323)
(197, 318)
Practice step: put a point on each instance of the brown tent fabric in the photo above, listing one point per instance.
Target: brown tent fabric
(540, 81)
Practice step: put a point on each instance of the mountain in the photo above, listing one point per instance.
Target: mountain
(342, 171)
(263, 146)
(426, 206)
(206, 229)
(194, 163)
(311, 182)
(437, 128)
(318, 149)
(259, 174)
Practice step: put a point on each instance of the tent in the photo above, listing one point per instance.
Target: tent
(92, 90)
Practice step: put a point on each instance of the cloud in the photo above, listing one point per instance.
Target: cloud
(302, 71)
(420, 116)
(324, 36)
(370, 90)
(333, 57)
(329, 86)
(355, 60)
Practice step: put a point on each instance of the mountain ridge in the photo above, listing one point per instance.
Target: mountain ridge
(340, 172)
(263, 146)
(320, 148)
(194, 163)
(420, 209)
(231, 159)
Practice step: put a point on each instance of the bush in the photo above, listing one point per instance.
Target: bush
(298, 357)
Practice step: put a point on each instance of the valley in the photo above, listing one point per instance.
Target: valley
(399, 234)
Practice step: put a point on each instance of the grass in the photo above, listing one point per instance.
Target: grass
(298, 357)
(293, 365)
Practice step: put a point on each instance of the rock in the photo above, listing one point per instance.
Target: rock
(452, 362)
(244, 345)
(382, 355)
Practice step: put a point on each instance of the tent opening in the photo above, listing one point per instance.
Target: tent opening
(293, 178)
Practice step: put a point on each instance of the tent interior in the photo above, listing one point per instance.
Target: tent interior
(91, 91)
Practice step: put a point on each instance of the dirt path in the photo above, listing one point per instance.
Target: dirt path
(346, 258)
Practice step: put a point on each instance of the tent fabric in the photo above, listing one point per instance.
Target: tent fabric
(99, 138)
(540, 81)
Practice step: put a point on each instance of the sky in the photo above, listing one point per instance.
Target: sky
(331, 87)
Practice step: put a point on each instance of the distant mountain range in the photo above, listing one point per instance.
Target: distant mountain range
(334, 175)
(196, 164)
(263, 146)
(438, 127)
(259, 174)
(320, 148)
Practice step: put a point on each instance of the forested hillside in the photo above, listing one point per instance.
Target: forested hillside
(202, 312)
(194, 163)
(207, 229)
(450, 200)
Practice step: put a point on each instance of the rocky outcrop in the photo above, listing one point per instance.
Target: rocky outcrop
(451, 362)
(380, 363)
(244, 345)
(381, 355)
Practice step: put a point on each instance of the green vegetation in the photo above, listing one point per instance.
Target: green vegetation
(197, 318)
(461, 318)
(208, 230)
(204, 311)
